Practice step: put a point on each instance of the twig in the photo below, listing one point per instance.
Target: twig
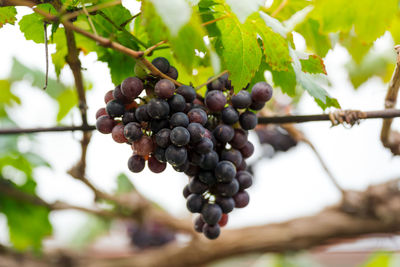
(390, 138)
(152, 48)
(387, 113)
(121, 28)
(46, 51)
(215, 20)
(90, 9)
(130, 19)
(46, 129)
(11, 191)
(212, 79)
(89, 19)
(279, 8)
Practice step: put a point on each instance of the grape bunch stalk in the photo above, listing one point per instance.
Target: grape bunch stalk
(206, 139)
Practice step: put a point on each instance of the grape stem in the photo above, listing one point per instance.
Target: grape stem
(390, 138)
(152, 48)
(70, 15)
(212, 79)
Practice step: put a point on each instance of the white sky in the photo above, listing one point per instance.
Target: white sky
(289, 185)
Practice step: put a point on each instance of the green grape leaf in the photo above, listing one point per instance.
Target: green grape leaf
(334, 17)
(356, 47)
(380, 259)
(32, 25)
(314, 64)
(7, 97)
(7, 15)
(66, 101)
(309, 83)
(189, 39)
(276, 49)
(243, 9)
(121, 66)
(290, 8)
(152, 23)
(124, 185)
(315, 39)
(239, 50)
(174, 13)
(207, 14)
(286, 80)
(25, 236)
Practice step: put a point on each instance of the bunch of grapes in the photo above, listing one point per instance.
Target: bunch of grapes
(204, 138)
(150, 234)
(273, 135)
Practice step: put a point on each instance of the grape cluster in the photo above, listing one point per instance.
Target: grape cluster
(273, 135)
(150, 234)
(204, 138)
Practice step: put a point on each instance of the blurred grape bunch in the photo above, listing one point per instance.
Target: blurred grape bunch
(150, 234)
(276, 137)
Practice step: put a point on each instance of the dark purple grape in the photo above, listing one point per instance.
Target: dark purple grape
(242, 166)
(161, 63)
(182, 168)
(101, 112)
(108, 96)
(118, 95)
(128, 117)
(229, 115)
(159, 154)
(158, 108)
(141, 114)
(241, 100)
(241, 199)
(211, 213)
(261, 92)
(215, 85)
(105, 124)
(196, 186)
(211, 231)
(144, 146)
(177, 103)
(223, 133)
(176, 155)
(132, 87)
(247, 150)
(198, 224)
(210, 161)
(207, 177)
(227, 204)
(194, 203)
(232, 155)
(164, 88)
(257, 105)
(155, 165)
(115, 108)
(248, 120)
(172, 72)
(179, 119)
(197, 115)
(192, 170)
(195, 157)
(117, 134)
(239, 139)
(187, 92)
(204, 146)
(162, 138)
(225, 171)
(133, 131)
(180, 136)
(228, 189)
(136, 163)
(196, 131)
(245, 179)
(186, 192)
(158, 125)
(215, 101)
